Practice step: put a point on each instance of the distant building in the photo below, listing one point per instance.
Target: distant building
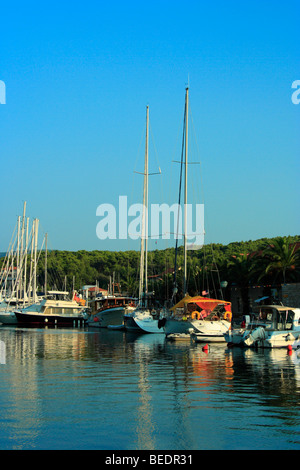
(91, 292)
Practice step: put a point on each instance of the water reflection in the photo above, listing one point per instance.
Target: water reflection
(77, 388)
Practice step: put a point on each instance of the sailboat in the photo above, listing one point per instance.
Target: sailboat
(54, 308)
(143, 318)
(13, 277)
(208, 319)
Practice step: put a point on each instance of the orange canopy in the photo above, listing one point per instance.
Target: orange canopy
(203, 302)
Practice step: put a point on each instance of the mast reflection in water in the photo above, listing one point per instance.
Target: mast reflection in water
(110, 390)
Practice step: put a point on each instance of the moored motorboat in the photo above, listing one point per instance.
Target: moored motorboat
(109, 310)
(278, 326)
(54, 310)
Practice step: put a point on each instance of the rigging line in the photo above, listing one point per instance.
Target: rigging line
(6, 262)
(172, 178)
(157, 162)
(154, 146)
(204, 277)
(213, 284)
(218, 273)
(174, 152)
(198, 153)
(133, 178)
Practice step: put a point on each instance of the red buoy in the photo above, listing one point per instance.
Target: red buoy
(205, 348)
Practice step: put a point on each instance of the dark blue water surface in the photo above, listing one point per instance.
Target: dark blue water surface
(110, 390)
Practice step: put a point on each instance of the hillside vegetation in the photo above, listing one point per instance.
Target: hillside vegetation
(265, 261)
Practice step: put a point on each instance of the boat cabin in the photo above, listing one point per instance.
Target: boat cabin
(57, 295)
(109, 301)
(279, 317)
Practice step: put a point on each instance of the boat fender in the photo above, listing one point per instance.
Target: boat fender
(95, 319)
(161, 323)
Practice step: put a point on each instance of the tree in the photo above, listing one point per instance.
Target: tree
(282, 259)
(241, 270)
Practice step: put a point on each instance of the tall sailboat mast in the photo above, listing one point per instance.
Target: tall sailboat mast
(36, 228)
(46, 248)
(185, 191)
(21, 286)
(144, 229)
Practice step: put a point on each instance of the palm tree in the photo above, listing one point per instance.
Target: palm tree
(282, 259)
(241, 269)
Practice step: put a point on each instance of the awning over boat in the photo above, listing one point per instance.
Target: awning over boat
(202, 302)
(262, 298)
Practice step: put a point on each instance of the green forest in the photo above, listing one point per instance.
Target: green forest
(266, 261)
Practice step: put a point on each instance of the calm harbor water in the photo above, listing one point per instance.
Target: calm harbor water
(110, 390)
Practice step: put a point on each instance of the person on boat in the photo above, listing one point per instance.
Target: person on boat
(203, 314)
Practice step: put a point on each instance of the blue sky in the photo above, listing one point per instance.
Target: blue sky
(78, 78)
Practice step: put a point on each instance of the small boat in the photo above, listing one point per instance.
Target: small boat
(109, 310)
(278, 326)
(54, 310)
(209, 318)
(7, 312)
(214, 336)
(116, 327)
(179, 337)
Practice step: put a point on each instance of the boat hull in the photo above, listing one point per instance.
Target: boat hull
(178, 337)
(130, 324)
(207, 338)
(262, 338)
(148, 325)
(173, 326)
(8, 318)
(107, 317)
(40, 319)
(211, 331)
(234, 337)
